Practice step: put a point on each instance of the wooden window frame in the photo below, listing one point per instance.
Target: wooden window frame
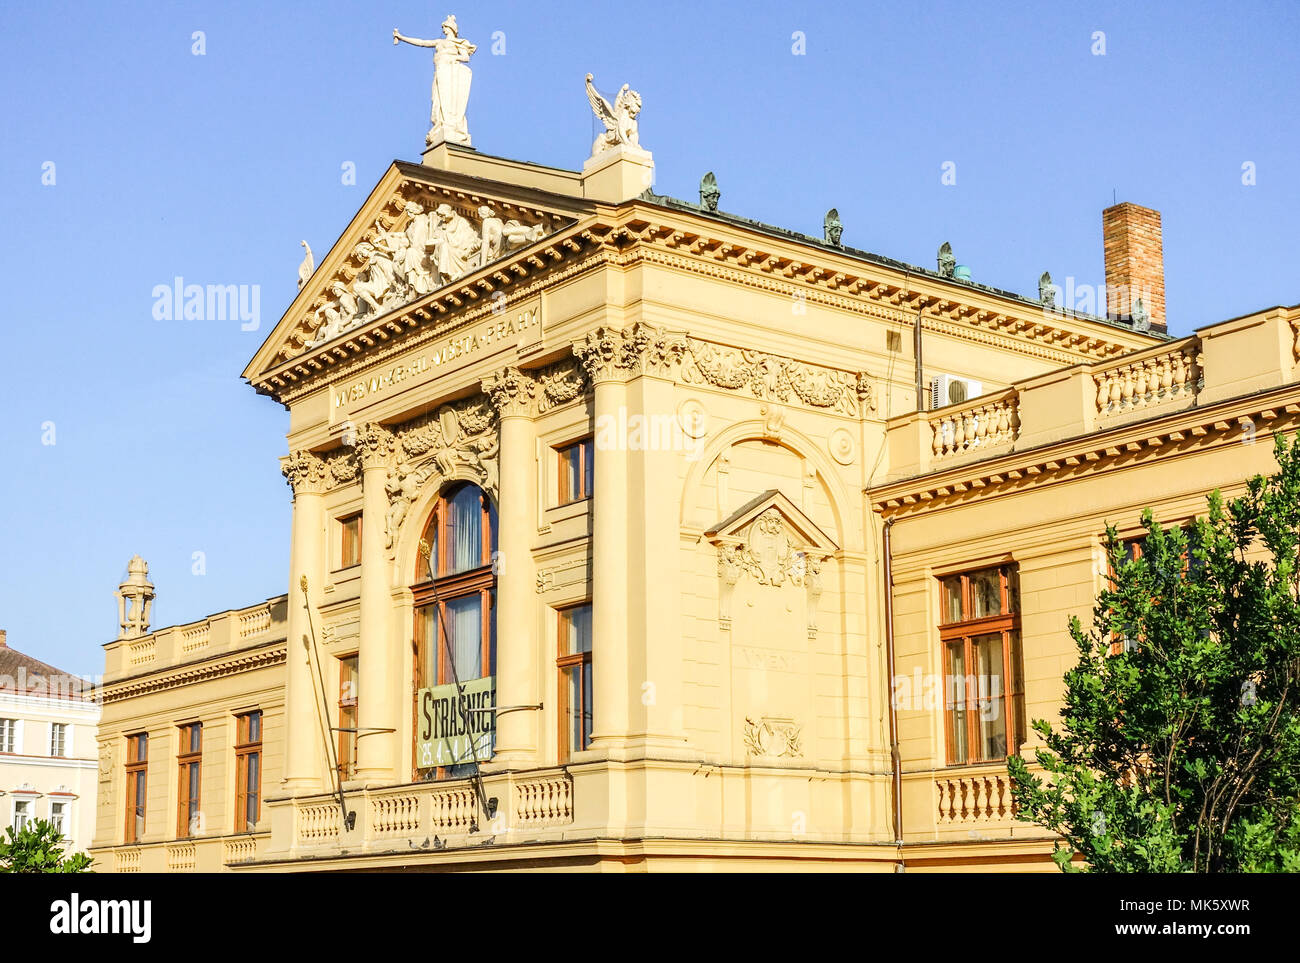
(185, 759)
(244, 749)
(349, 667)
(59, 740)
(963, 632)
(585, 472)
(436, 591)
(344, 541)
(137, 783)
(11, 737)
(564, 662)
(1133, 549)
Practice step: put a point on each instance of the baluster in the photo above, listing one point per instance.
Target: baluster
(937, 443)
(981, 798)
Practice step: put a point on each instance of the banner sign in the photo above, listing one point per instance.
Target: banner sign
(450, 728)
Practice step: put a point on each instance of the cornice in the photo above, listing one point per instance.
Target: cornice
(1108, 448)
(217, 668)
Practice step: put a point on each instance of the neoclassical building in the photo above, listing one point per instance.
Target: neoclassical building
(622, 526)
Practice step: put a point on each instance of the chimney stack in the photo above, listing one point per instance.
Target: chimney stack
(4, 639)
(1135, 262)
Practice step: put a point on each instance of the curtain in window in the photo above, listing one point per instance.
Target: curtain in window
(992, 695)
(465, 525)
(465, 626)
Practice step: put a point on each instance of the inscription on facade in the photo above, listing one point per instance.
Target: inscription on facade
(513, 327)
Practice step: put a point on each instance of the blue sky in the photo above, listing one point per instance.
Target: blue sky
(214, 167)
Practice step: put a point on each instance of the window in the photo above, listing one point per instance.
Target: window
(983, 683)
(574, 663)
(8, 735)
(22, 814)
(1124, 639)
(59, 817)
(58, 739)
(575, 471)
(455, 599)
(248, 771)
(347, 718)
(137, 774)
(350, 553)
(190, 757)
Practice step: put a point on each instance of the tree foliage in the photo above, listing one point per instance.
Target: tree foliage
(38, 848)
(1181, 751)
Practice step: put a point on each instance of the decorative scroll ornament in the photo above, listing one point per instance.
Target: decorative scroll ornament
(778, 738)
(559, 384)
(771, 377)
(305, 473)
(510, 391)
(458, 440)
(619, 119)
(375, 445)
(612, 353)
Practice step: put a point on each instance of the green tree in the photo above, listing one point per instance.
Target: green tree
(38, 848)
(1181, 752)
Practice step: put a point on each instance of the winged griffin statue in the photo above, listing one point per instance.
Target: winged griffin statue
(619, 120)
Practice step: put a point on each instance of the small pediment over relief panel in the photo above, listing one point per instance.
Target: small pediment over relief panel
(418, 240)
(770, 542)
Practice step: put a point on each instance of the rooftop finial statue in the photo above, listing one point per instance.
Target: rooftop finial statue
(1047, 290)
(451, 79)
(619, 120)
(947, 263)
(833, 227)
(709, 193)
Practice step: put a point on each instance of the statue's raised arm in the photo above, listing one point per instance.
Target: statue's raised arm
(399, 37)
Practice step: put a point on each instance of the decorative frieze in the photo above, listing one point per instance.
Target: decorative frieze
(773, 738)
(616, 354)
(774, 378)
(559, 384)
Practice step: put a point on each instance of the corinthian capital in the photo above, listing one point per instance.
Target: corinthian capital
(612, 354)
(510, 391)
(375, 445)
(306, 473)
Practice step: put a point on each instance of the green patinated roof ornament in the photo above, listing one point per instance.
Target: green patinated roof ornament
(832, 227)
(1047, 290)
(947, 263)
(709, 192)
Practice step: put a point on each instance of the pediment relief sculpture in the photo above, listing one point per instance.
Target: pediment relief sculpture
(420, 251)
(774, 543)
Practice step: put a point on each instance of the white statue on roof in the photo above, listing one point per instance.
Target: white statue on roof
(451, 80)
(619, 119)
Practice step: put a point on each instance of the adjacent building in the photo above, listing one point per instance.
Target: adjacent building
(47, 747)
(630, 534)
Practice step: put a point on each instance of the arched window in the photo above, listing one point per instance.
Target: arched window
(455, 613)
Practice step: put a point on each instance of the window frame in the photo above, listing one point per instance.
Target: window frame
(345, 541)
(585, 472)
(12, 730)
(349, 669)
(434, 591)
(137, 786)
(65, 816)
(564, 663)
(964, 631)
(59, 739)
(245, 749)
(188, 760)
(28, 813)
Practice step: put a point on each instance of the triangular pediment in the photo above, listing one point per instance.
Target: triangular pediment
(420, 231)
(770, 505)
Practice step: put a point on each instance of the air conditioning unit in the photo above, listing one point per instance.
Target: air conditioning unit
(951, 390)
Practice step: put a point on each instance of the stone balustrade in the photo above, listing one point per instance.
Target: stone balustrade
(1149, 379)
(202, 854)
(983, 423)
(179, 644)
(979, 797)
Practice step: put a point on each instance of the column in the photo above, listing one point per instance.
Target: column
(608, 357)
(653, 548)
(518, 643)
(379, 696)
(304, 751)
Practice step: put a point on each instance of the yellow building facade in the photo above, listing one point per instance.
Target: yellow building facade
(597, 496)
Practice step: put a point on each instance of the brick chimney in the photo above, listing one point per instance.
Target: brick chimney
(4, 640)
(1135, 262)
